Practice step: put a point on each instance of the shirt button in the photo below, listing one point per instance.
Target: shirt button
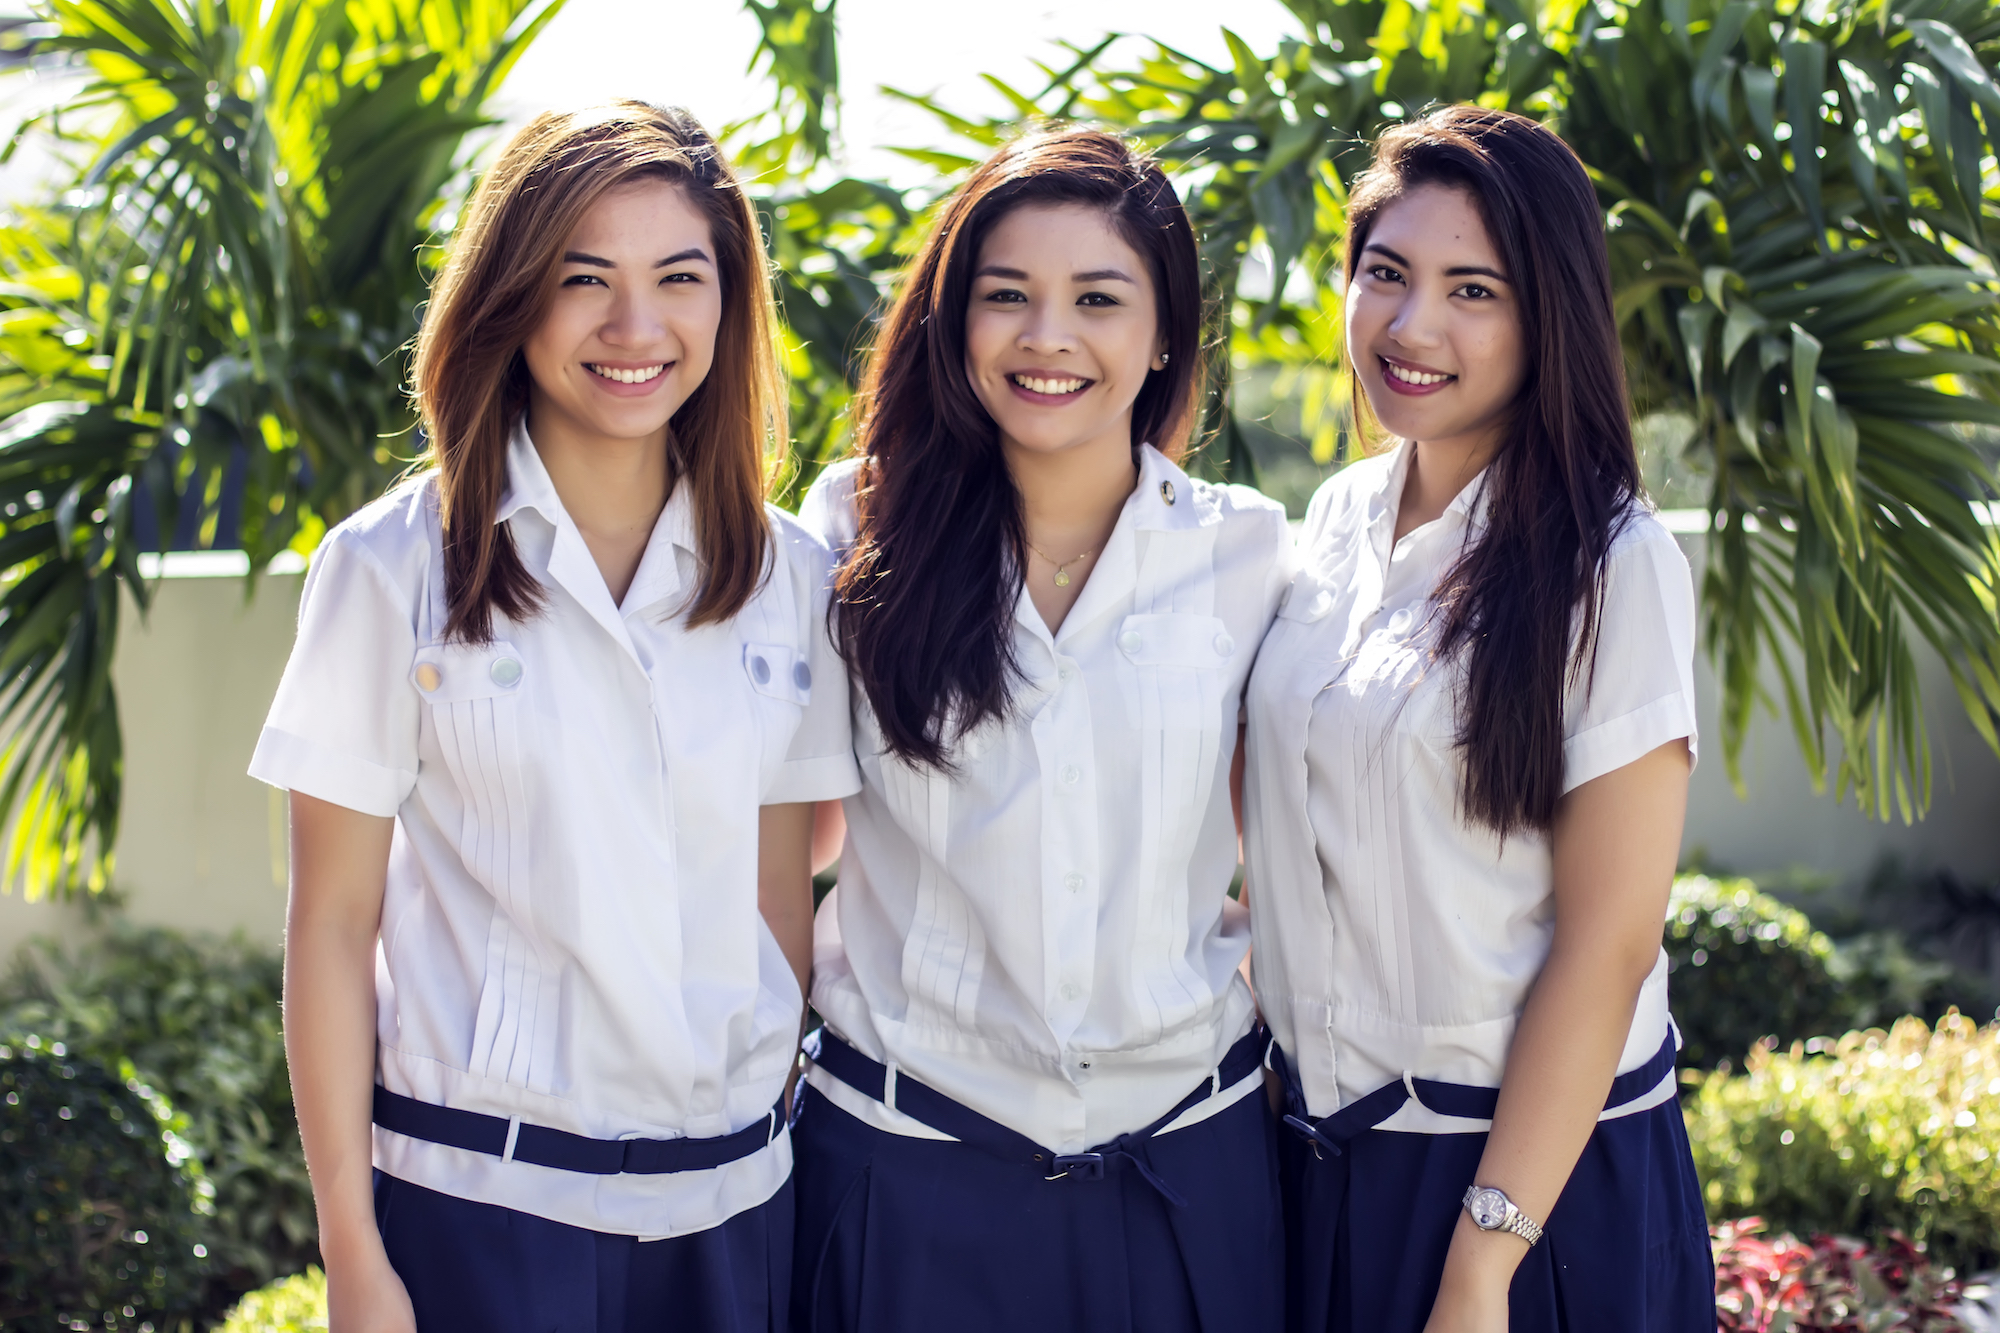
(505, 671)
(802, 676)
(1070, 774)
(1167, 491)
(428, 677)
(1083, 1064)
(1400, 621)
(1130, 641)
(1224, 645)
(760, 671)
(1073, 882)
(1069, 990)
(1068, 672)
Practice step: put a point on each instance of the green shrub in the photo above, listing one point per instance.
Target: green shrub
(1874, 1133)
(1745, 967)
(295, 1304)
(199, 1019)
(97, 1224)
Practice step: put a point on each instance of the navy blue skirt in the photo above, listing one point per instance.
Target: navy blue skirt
(1625, 1248)
(479, 1266)
(907, 1235)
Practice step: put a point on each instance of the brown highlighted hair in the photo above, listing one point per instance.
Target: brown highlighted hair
(471, 378)
(927, 594)
(1522, 604)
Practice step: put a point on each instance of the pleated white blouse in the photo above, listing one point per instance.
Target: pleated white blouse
(1392, 936)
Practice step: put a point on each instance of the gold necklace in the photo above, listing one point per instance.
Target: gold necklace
(1062, 569)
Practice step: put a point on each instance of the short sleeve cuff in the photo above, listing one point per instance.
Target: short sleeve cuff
(297, 764)
(825, 778)
(1612, 745)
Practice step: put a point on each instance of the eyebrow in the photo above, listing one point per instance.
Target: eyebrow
(1016, 275)
(1456, 271)
(679, 257)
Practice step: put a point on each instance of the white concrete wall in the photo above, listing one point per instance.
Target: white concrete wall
(203, 845)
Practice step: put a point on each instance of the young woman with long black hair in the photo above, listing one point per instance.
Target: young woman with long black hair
(1033, 1104)
(1470, 736)
(554, 725)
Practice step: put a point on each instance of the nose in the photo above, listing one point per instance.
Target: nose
(1420, 319)
(1047, 329)
(634, 322)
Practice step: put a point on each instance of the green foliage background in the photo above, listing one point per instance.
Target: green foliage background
(1801, 221)
(97, 1202)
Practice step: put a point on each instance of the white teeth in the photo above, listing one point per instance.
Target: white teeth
(1413, 376)
(627, 376)
(1034, 385)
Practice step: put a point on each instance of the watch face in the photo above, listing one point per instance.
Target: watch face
(1489, 1209)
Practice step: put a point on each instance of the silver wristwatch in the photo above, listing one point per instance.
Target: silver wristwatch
(1493, 1211)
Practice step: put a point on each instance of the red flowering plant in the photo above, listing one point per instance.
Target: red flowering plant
(1829, 1284)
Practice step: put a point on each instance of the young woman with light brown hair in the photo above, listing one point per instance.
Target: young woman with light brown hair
(556, 717)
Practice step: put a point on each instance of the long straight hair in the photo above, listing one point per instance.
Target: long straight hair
(927, 592)
(1522, 603)
(471, 376)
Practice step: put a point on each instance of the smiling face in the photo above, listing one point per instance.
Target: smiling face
(1434, 322)
(630, 331)
(1061, 329)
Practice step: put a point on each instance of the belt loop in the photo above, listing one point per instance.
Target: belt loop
(1215, 1081)
(772, 1131)
(889, 1087)
(1410, 1086)
(513, 1133)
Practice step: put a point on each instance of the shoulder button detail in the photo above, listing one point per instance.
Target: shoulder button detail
(802, 675)
(1130, 641)
(760, 670)
(428, 677)
(1224, 645)
(1167, 491)
(506, 671)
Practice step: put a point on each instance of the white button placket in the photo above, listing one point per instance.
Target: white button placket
(1065, 752)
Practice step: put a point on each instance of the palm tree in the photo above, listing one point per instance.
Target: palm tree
(227, 283)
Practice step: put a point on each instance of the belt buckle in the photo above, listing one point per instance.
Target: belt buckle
(1082, 1165)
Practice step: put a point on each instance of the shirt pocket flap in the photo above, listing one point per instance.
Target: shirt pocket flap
(778, 671)
(1176, 641)
(449, 673)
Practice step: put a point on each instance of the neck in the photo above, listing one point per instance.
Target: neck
(1070, 498)
(1439, 470)
(608, 485)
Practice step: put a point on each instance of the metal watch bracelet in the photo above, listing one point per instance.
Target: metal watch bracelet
(1492, 1210)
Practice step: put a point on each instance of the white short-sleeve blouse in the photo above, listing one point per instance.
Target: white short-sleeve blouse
(1393, 936)
(570, 932)
(1046, 935)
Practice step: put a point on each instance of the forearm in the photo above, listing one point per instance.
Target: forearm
(339, 868)
(1613, 844)
(330, 1045)
(1559, 1069)
(785, 838)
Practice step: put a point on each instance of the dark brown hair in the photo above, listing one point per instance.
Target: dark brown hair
(471, 378)
(1522, 604)
(927, 594)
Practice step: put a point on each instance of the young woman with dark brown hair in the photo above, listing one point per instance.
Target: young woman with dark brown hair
(1470, 736)
(1033, 1104)
(553, 728)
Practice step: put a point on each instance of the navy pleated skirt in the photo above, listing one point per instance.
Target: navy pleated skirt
(478, 1266)
(907, 1235)
(1626, 1247)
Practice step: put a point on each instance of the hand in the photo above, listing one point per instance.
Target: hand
(367, 1297)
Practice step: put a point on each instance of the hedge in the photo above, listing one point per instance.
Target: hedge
(1870, 1134)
